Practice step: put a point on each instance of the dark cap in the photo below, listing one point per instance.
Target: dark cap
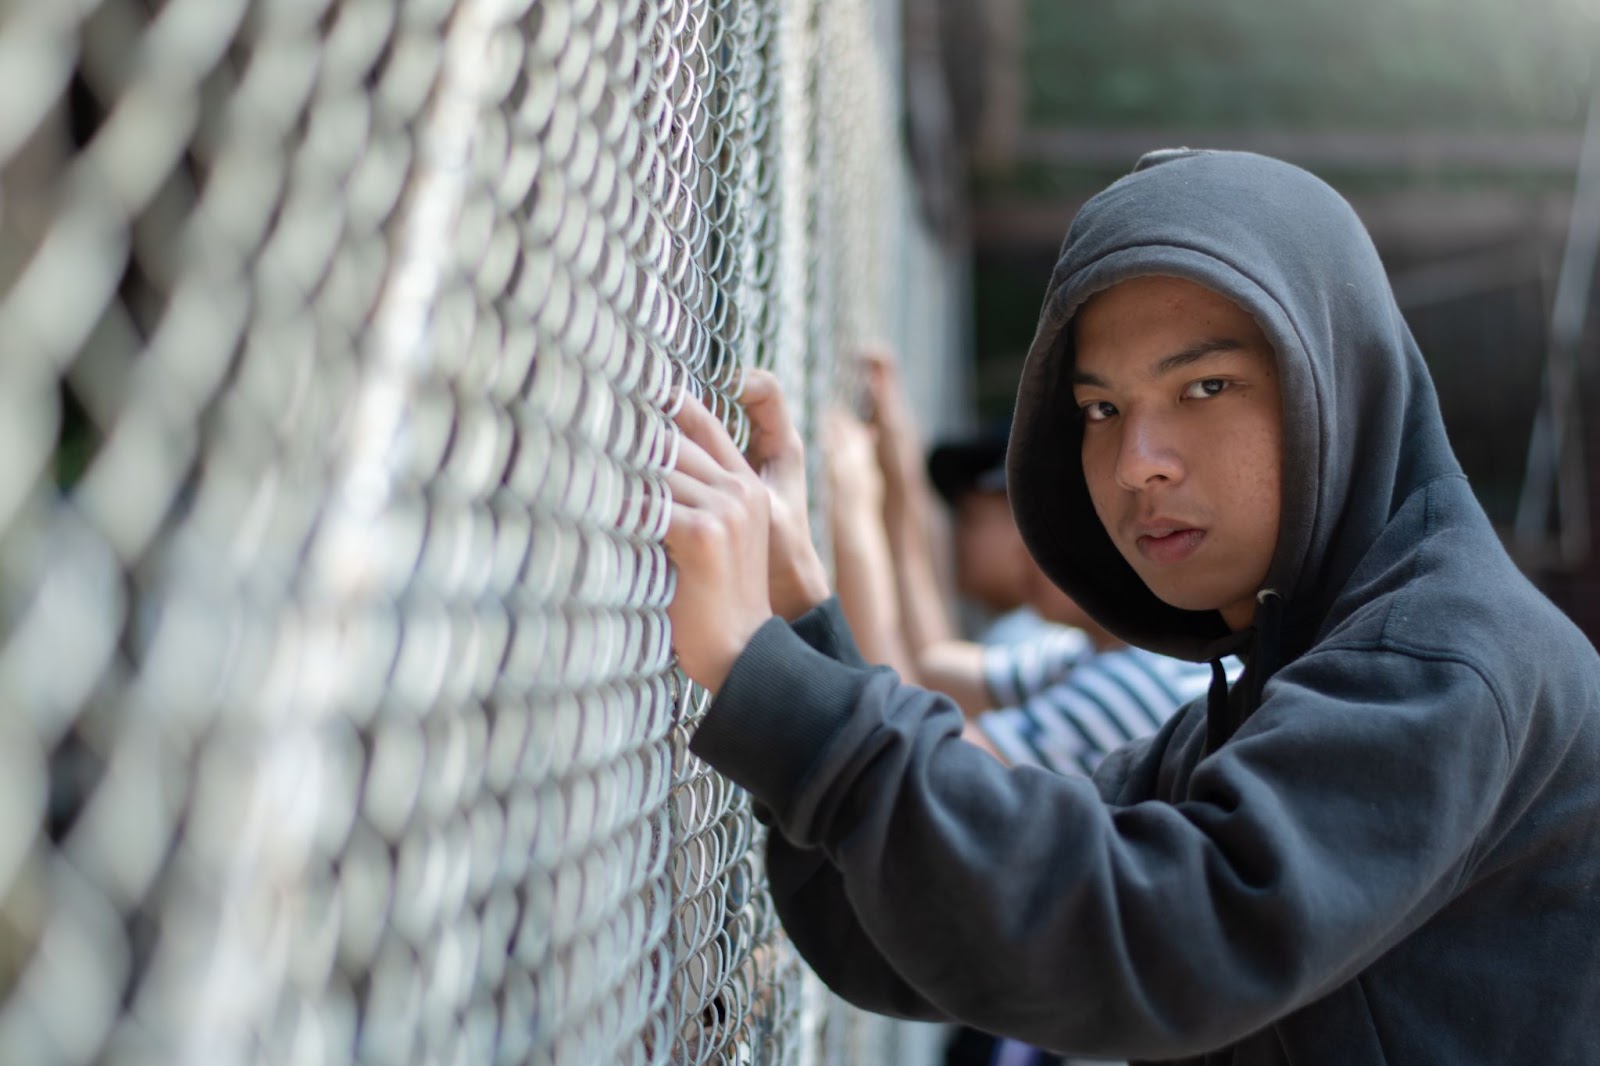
(970, 464)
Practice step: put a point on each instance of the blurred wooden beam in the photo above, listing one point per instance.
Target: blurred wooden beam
(1450, 278)
(1398, 151)
(1413, 223)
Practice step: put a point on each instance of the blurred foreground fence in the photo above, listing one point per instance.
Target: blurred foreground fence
(337, 720)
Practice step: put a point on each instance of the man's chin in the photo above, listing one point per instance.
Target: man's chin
(1167, 584)
(1186, 599)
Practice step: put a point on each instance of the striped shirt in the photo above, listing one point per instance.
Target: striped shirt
(1018, 627)
(1065, 706)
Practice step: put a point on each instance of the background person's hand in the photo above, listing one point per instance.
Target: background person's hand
(717, 537)
(797, 580)
(899, 444)
(854, 480)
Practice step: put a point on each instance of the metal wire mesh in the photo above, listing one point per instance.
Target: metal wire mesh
(337, 716)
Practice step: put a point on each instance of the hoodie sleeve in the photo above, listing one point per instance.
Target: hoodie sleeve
(807, 889)
(824, 628)
(1338, 819)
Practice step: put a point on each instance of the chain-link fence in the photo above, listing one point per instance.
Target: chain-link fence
(337, 716)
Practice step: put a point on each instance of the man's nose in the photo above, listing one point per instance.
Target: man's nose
(1149, 453)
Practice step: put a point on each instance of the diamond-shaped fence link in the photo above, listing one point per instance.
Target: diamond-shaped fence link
(338, 720)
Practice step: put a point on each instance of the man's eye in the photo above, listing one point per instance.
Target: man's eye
(1199, 390)
(1097, 411)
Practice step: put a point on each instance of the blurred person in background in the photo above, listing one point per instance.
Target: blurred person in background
(993, 569)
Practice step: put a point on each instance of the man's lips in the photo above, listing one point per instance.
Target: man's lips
(1167, 544)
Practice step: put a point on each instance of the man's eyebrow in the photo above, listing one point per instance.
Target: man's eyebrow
(1194, 353)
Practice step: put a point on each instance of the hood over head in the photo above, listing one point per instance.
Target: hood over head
(1362, 428)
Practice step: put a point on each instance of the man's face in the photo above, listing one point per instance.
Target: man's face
(1183, 440)
(991, 561)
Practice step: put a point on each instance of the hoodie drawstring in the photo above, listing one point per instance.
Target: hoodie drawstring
(1262, 661)
(1268, 648)
(1218, 728)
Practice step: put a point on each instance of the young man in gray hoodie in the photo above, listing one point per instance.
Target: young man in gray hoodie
(1380, 845)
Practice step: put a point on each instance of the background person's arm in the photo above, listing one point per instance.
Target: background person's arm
(863, 569)
(909, 510)
(944, 662)
(955, 667)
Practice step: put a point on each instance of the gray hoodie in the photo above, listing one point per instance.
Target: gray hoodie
(1383, 846)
